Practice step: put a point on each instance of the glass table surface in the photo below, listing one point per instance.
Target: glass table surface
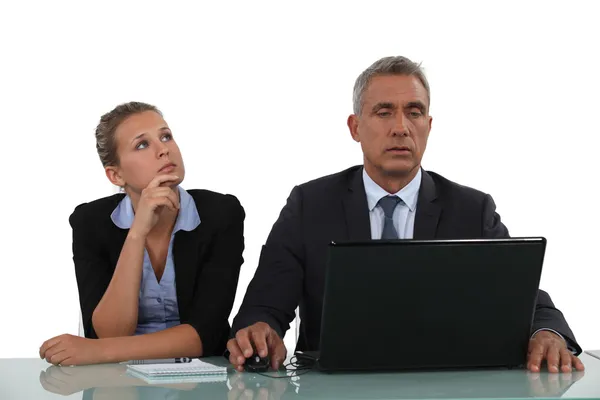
(36, 379)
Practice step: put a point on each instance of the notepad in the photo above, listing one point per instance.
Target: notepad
(176, 379)
(180, 370)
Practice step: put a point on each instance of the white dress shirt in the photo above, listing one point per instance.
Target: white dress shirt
(404, 213)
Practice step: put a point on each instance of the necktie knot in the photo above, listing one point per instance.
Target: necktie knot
(388, 204)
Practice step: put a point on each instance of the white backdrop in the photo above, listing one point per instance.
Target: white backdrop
(257, 94)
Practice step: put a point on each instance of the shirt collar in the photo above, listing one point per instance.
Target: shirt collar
(188, 218)
(409, 193)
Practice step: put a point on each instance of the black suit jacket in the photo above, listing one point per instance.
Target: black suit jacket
(291, 269)
(207, 262)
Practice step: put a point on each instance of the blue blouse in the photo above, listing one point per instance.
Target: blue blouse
(158, 308)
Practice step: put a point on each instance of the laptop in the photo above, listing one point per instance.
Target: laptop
(429, 304)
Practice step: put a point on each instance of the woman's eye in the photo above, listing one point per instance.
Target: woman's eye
(166, 137)
(141, 145)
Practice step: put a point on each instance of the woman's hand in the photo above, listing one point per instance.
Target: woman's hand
(153, 198)
(73, 350)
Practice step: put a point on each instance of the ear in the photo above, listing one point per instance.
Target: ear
(353, 126)
(114, 176)
(429, 123)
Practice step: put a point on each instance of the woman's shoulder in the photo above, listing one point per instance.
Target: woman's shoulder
(212, 204)
(93, 212)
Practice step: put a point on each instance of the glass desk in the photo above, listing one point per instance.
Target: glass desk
(35, 379)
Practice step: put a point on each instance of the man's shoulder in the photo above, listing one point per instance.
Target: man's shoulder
(447, 189)
(330, 182)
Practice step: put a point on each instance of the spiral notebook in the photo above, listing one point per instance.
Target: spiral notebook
(176, 379)
(182, 371)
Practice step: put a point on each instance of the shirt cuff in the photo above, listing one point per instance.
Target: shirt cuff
(571, 349)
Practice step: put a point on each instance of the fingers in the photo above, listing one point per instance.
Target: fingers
(56, 355)
(566, 360)
(243, 340)
(68, 360)
(577, 363)
(536, 355)
(49, 344)
(160, 179)
(156, 197)
(260, 342)
(236, 357)
(165, 202)
(248, 341)
(558, 357)
(553, 358)
(277, 350)
(174, 197)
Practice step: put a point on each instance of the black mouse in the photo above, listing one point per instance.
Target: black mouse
(257, 364)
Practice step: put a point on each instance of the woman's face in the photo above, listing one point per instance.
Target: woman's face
(146, 148)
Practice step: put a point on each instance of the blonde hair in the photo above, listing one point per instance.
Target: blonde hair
(105, 131)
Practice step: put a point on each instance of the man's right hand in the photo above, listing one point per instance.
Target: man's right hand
(261, 337)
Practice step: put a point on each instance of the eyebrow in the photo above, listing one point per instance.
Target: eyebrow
(417, 104)
(381, 105)
(164, 128)
(138, 137)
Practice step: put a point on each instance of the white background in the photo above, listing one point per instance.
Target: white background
(257, 94)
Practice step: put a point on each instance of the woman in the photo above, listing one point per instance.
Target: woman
(157, 267)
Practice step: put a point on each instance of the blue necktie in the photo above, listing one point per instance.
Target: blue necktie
(388, 204)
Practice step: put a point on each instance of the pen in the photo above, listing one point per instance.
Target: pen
(162, 361)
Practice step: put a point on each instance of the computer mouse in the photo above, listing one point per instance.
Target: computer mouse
(257, 364)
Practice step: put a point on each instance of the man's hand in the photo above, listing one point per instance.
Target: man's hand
(72, 350)
(261, 337)
(546, 345)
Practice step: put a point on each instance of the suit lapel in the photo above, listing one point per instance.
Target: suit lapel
(356, 209)
(187, 248)
(428, 213)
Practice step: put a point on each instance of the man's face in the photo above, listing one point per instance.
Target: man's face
(393, 125)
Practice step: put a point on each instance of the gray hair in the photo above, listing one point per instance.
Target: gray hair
(106, 144)
(397, 65)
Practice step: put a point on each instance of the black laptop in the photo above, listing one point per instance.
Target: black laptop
(434, 304)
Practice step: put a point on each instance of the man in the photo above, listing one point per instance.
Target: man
(390, 197)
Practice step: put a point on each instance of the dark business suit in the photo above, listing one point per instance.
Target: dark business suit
(207, 262)
(291, 269)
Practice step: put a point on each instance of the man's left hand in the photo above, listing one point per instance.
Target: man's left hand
(548, 346)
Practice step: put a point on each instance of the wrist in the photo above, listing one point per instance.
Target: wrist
(105, 352)
(136, 235)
